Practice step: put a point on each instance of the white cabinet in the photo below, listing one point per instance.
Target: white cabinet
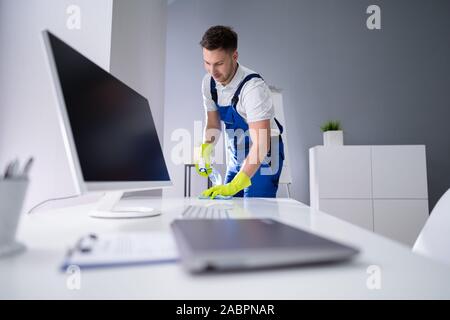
(380, 188)
(400, 219)
(399, 172)
(346, 162)
(357, 211)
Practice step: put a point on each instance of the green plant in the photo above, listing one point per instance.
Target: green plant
(331, 126)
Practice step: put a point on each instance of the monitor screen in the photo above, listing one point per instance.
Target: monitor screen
(112, 125)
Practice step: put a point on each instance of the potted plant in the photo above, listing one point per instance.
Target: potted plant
(332, 133)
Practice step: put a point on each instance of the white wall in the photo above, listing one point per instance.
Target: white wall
(138, 50)
(28, 123)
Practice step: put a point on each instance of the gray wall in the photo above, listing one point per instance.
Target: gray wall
(138, 54)
(138, 50)
(28, 123)
(387, 86)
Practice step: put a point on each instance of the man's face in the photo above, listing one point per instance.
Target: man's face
(220, 64)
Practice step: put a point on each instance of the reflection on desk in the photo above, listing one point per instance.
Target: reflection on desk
(392, 267)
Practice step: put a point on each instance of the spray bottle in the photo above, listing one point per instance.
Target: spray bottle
(214, 175)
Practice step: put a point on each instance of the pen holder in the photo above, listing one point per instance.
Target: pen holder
(12, 195)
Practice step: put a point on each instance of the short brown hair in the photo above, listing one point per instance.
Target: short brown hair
(220, 37)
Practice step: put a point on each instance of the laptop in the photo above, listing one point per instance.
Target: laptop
(238, 244)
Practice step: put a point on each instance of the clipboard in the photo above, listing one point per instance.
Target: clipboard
(121, 249)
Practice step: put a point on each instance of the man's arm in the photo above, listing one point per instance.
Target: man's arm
(260, 136)
(212, 129)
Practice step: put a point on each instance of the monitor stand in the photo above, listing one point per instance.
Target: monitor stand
(11, 248)
(106, 208)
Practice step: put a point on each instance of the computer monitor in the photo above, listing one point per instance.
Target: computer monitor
(108, 131)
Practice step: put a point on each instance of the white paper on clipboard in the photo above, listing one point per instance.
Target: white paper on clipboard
(122, 249)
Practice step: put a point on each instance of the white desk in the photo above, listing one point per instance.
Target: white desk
(35, 273)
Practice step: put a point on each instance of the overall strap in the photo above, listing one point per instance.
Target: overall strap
(235, 99)
(280, 127)
(213, 90)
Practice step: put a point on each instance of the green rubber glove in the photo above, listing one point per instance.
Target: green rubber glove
(240, 182)
(203, 162)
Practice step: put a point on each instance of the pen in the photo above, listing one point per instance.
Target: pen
(11, 169)
(5, 175)
(27, 167)
(86, 244)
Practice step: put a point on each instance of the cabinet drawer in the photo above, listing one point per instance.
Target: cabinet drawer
(401, 220)
(343, 172)
(399, 172)
(357, 212)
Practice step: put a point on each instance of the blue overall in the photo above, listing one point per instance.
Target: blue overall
(265, 180)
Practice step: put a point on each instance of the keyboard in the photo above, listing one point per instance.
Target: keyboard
(202, 212)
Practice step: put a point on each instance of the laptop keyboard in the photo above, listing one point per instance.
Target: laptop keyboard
(201, 212)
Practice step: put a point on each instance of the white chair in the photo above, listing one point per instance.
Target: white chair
(434, 239)
(286, 177)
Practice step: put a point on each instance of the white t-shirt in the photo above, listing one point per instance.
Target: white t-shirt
(255, 101)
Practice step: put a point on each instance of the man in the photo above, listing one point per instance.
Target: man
(238, 97)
